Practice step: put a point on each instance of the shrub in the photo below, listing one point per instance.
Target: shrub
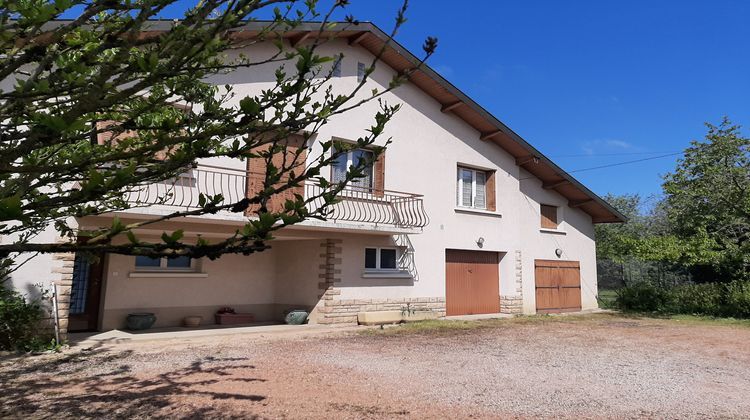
(738, 299)
(714, 299)
(19, 322)
(700, 299)
(640, 297)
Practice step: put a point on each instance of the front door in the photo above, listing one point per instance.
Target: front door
(85, 293)
(472, 282)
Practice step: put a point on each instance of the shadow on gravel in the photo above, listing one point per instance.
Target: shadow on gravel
(61, 388)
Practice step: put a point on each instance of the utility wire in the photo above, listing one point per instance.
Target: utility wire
(614, 164)
(614, 154)
(624, 163)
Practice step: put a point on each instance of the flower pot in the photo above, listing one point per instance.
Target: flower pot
(140, 321)
(296, 317)
(192, 321)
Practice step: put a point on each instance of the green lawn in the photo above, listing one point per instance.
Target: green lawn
(448, 327)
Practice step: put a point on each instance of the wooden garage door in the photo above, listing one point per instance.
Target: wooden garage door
(472, 282)
(558, 286)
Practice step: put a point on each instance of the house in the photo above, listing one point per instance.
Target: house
(460, 216)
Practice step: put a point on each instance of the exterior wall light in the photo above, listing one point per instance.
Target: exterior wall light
(480, 242)
(558, 252)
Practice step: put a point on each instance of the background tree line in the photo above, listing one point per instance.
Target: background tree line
(695, 233)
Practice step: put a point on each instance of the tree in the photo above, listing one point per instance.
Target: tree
(111, 101)
(708, 203)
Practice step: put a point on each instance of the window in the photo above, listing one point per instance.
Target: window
(471, 188)
(549, 216)
(381, 259)
(360, 72)
(336, 72)
(351, 158)
(178, 263)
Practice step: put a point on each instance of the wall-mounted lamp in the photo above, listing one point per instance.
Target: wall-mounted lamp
(558, 252)
(480, 242)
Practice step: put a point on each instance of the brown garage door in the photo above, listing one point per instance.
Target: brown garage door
(472, 282)
(558, 286)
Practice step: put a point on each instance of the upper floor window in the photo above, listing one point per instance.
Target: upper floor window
(549, 216)
(178, 264)
(351, 158)
(472, 188)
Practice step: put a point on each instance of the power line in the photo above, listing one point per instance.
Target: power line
(624, 163)
(614, 154)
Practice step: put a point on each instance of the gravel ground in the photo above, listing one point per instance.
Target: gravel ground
(583, 367)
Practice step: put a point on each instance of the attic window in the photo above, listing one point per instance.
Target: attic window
(336, 72)
(360, 71)
(549, 216)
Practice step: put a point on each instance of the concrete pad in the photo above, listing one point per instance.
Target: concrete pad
(181, 333)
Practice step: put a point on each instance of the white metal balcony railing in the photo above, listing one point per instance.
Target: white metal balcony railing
(357, 204)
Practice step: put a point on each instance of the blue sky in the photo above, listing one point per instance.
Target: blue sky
(605, 81)
(611, 81)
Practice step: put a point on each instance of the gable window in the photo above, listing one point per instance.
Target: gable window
(336, 72)
(349, 159)
(360, 72)
(549, 216)
(472, 188)
(381, 259)
(183, 263)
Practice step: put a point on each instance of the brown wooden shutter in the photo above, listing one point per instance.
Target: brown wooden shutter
(379, 174)
(256, 174)
(490, 191)
(549, 216)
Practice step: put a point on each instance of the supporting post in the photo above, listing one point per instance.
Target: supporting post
(54, 314)
(297, 39)
(487, 136)
(575, 204)
(520, 161)
(356, 39)
(450, 107)
(552, 185)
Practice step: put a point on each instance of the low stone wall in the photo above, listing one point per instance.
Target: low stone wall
(344, 311)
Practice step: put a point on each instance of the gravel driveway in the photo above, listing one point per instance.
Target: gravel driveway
(591, 367)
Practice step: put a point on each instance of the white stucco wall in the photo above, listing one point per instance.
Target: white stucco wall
(427, 147)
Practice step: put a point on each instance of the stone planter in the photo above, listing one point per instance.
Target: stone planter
(231, 319)
(192, 321)
(140, 321)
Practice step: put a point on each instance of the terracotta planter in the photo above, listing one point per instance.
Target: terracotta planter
(231, 319)
(192, 321)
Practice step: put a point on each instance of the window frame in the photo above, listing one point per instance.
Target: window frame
(460, 183)
(164, 266)
(378, 262)
(350, 162)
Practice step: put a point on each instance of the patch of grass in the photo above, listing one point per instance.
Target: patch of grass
(448, 327)
(433, 326)
(703, 320)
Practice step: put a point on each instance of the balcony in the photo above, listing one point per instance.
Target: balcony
(358, 205)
